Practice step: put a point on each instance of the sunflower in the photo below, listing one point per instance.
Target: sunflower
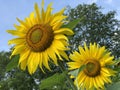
(40, 38)
(97, 61)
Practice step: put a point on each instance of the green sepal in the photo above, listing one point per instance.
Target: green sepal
(72, 24)
(13, 63)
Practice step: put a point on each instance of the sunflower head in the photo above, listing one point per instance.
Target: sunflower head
(97, 61)
(40, 38)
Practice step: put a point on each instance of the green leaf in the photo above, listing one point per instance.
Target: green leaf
(76, 71)
(56, 79)
(81, 68)
(115, 86)
(13, 63)
(72, 24)
(117, 62)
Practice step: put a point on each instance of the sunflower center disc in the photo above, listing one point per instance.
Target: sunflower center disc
(39, 37)
(92, 68)
(36, 36)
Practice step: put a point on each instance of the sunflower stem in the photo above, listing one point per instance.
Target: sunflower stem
(63, 69)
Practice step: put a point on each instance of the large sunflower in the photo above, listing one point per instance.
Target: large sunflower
(97, 61)
(40, 38)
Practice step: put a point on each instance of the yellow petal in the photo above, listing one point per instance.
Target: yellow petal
(64, 31)
(57, 52)
(28, 21)
(83, 53)
(92, 49)
(100, 80)
(24, 55)
(95, 84)
(17, 27)
(59, 13)
(101, 52)
(86, 83)
(52, 55)
(91, 83)
(76, 58)
(16, 33)
(77, 54)
(73, 65)
(46, 59)
(106, 79)
(64, 55)
(43, 16)
(29, 63)
(42, 4)
(37, 12)
(32, 18)
(48, 13)
(59, 45)
(57, 19)
(16, 41)
(18, 49)
(61, 36)
(105, 72)
(23, 64)
(109, 60)
(23, 23)
(81, 77)
(57, 25)
(86, 49)
(41, 61)
(33, 62)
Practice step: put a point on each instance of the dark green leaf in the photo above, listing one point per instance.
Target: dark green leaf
(81, 68)
(13, 63)
(115, 86)
(117, 62)
(56, 79)
(72, 24)
(75, 72)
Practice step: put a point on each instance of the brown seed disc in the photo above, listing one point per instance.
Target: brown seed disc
(39, 37)
(92, 68)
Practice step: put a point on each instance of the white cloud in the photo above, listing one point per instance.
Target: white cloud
(91, 1)
(109, 1)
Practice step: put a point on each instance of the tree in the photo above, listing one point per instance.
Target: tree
(95, 26)
(3, 62)
(16, 79)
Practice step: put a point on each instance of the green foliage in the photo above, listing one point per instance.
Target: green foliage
(11, 78)
(54, 82)
(95, 27)
(76, 71)
(115, 86)
(90, 25)
(3, 62)
(117, 62)
(15, 79)
(13, 63)
(72, 24)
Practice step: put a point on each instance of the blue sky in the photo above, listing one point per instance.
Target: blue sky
(10, 9)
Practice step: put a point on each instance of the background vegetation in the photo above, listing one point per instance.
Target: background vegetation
(94, 26)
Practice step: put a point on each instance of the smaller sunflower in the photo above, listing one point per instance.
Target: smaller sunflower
(97, 61)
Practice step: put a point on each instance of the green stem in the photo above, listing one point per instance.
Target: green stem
(67, 76)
